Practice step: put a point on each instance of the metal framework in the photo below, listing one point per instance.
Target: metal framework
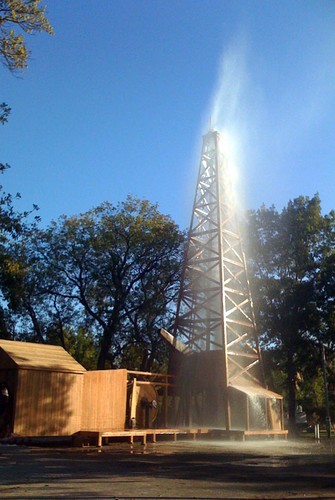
(215, 311)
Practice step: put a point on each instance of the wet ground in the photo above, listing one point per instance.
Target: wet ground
(182, 469)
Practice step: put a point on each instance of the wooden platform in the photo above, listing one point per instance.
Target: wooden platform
(267, 433)
(98, 438)
(242, 435)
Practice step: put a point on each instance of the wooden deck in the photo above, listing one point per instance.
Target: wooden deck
(242, 435)
(267, 433)
(98, 438)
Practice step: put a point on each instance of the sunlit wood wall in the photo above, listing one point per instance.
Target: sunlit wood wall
(104, 400)
(53, 395)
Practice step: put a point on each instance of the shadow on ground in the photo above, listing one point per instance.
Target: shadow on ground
(170, 470)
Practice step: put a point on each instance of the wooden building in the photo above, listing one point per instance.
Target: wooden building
(45, 387)
(50, 394)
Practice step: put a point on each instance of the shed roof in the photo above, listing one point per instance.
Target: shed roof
(37, 357)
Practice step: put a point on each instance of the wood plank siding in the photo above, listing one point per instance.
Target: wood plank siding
(53, 395)
(47, 403)
(104, 400)
(45, 387)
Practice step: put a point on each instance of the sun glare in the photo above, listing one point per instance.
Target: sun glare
(229, 172)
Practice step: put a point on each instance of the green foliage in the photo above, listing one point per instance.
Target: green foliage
(4, 112)
(310, 392)
(117, 267)
(27, 16)
(16, 278)
(18, 283)
(82, 346)
(291, 262)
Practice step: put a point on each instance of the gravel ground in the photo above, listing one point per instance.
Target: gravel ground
(182, 469)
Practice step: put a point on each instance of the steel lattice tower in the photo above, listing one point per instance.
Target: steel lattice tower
(215, 320)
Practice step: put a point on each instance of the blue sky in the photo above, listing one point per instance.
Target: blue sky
(116, 102)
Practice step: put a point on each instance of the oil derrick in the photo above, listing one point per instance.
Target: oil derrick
(216, 357)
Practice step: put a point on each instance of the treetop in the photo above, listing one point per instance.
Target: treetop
(27, 16)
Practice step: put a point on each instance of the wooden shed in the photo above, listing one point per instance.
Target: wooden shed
(45, 387)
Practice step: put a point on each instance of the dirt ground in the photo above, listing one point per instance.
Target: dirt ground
(166, 470)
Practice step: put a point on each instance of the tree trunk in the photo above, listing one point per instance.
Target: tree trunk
(291, 372)
(109, 331)
(104, 349)
(35, 322)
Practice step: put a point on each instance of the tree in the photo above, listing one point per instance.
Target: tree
(152, 308)
(27, 16)
(39, 317)
(326, 286)
(117, 266)
(13, 230)
(288, 254)
(4, 112)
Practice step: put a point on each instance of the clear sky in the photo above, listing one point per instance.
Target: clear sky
(116, 102)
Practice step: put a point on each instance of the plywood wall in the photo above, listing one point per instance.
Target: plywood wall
(104, 400)
(47, 403)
